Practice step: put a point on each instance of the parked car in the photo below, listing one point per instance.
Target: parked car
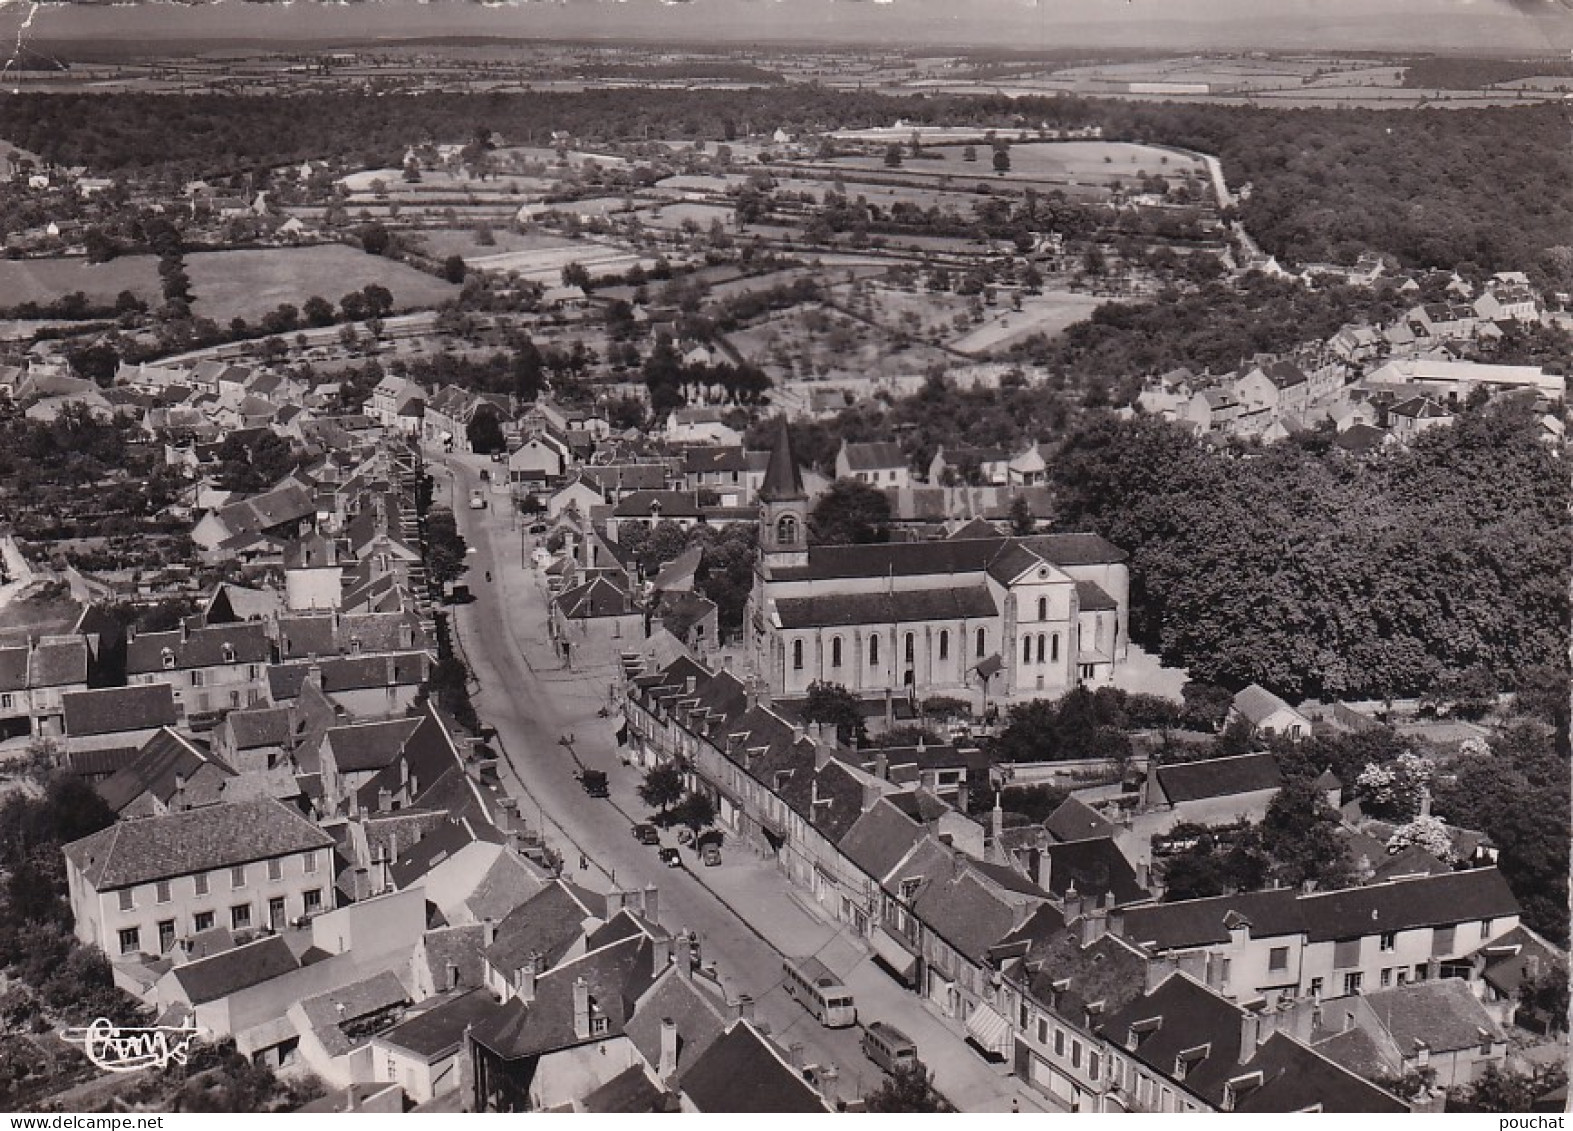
(671, 858)
(594, 783)
(647, 834)
(711, 855)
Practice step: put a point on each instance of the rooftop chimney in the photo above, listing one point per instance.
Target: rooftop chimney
(652, 904)
(795, 1054)
(743, 1008)
(1250, 1033)
(667, 1068)
(1072, 901)
(581, 1009)
(882, 764)
(507, 814)
(529, 970)
(684, 950)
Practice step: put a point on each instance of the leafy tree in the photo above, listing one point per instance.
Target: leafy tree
(695, 812)
(375, 239)
(485, 434)
(1487, 790)
(254, 461)
(1022, 520)
(893, 155)
(1002, 160)
(909, 1088)
(851, 512)
(1545, 996)
(318, 311)
(1506, 1091)
(454, 268)
(1300, 835)
(833, 705)
(970, 153)
(445, 548)
(379, 300)
(662, 787)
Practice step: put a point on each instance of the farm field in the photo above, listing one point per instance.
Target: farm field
(443, 242)
(545, 264)
(811, 340)
(248, 284)
(44, 280)
(1047, 314)
(1040, 161)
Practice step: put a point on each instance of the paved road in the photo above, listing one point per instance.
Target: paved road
(745, 912)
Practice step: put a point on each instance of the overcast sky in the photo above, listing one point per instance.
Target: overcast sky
(1481, 26)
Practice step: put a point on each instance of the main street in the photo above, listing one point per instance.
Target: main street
(745, 913)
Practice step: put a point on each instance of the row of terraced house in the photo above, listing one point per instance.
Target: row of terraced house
(1045, 945)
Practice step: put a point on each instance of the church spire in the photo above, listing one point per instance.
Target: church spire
(783, 481)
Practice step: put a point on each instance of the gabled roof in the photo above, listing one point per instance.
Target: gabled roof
(370, 746)
(1298, 1078)
(598, 597)
(1200, 922)
(58, 661)
(1443, 1013)
(257, 727)
(1219, 777)
(664, 504)
(168, 763)
(1509, 959)
(616, 975)
(438, 1031)
(1094, 867)
(230, 971)
(966, 911)
(1075, 820)
(193, 840)
(349, 673)
(1256, 704)
(548, 925)
(332, 1015)
(686, 1002)
(13, 668)
(956, 556)
(743, 1073)
(630, 1092)
(899, 607)
(117, 710)
(1458, 897)
(876, 456)
(213, 646)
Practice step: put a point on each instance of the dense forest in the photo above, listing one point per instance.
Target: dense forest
(1314, 574)
(1430, 187)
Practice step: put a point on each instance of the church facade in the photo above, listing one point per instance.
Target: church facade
(992, 620)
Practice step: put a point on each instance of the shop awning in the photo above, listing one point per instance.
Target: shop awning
(988, 1030)
(901, 960)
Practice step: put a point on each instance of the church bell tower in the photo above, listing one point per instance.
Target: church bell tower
(783, 509)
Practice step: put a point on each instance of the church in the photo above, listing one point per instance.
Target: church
(993, 620)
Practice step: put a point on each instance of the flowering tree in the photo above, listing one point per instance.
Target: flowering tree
(1394, 789)
(1428, 833)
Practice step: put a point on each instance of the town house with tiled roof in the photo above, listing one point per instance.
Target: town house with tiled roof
(138, 885)
(994, 620)
(212, 669)
(35, 677)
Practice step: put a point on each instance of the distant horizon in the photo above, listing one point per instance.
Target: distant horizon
(1484, 28)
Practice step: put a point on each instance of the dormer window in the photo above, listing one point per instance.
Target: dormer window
(169, 659)
(229, 653)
